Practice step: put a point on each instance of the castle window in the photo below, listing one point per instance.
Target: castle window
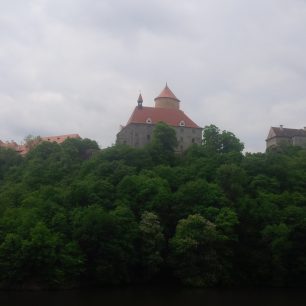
(182, 139)
(182, 130)
(149, 120)
(148, 137)
(192, 140)
(182, 123)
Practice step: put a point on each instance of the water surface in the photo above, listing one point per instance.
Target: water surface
(152, 296)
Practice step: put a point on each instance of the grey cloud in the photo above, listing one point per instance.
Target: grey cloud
(77, 66)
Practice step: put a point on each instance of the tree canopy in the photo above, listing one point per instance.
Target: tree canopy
(74, 215)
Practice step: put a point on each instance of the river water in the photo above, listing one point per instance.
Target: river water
(152, 296)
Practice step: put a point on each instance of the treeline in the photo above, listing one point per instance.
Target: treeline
(75, 215)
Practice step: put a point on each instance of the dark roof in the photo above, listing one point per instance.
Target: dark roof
(172, 117)
(140, 98)
(285, 132)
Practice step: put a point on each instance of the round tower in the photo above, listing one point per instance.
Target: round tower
(167, 99)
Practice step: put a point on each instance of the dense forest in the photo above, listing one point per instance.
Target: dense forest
(74, 215)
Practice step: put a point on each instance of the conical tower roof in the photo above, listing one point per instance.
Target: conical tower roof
(167, 93)
(140, 99)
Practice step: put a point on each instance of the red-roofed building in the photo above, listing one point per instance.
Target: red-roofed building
(23, 149)
(138, 130)
(60, 138)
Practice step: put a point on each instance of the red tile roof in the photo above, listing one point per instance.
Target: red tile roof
(8, 144)
(172, 117)
(14, 146)
(24, 149)
(60, 138)
(167, 93)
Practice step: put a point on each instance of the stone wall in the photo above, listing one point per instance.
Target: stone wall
(295, 141)
(299, 141)
(138, 135)
(167, 103)
(276, 141)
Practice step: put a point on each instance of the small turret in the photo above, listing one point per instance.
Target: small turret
(140, 101)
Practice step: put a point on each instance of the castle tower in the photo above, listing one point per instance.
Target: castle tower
(167, 99)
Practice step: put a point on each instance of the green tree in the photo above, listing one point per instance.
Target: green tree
(40, 259)
(277, 240)
(107, 242)
(141, 193)
(215, 141)
(151, 245)
(231, 179)
(211, 138)
(194, 252)
(8, 159)
(163, 145)
(196, 195)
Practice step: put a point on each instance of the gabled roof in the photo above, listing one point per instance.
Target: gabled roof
(172, 117)
(285, 132)
(167, 93)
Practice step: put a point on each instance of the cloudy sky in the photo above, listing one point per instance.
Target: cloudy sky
(77, 66)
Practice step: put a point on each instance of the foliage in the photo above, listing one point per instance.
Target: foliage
(221, 142)
(74, 215)
(151, 245)
(163, 144)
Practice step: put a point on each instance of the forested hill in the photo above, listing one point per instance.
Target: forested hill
(74, 215)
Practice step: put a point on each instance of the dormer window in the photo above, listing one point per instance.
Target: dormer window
(149, 121)
(182, 123)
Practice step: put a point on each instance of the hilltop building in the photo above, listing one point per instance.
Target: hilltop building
(139, 128)
(280, 135)
(25, 148)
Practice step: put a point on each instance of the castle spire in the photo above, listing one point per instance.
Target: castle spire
(140, 101)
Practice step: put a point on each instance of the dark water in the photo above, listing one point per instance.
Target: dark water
(147, 296)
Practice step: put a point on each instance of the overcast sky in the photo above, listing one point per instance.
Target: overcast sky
(77, 66)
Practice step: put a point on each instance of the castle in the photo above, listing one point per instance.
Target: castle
(139, 128)
(280, 135)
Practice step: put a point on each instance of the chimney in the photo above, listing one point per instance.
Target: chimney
(281, 127)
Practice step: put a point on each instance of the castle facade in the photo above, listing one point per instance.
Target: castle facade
(139, 128)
